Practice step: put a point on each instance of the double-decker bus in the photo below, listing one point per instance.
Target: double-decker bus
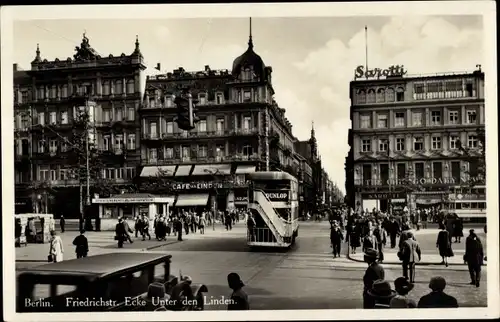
(468, 203)
(274, 204)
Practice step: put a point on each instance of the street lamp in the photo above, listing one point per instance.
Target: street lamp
(214, 174)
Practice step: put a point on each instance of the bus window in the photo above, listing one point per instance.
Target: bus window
(481, 205)
(481, 191)
(458, 205)
(465, 205)
(473, 205)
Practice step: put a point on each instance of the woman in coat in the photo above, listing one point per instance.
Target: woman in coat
(458, 230)
(444, 245)
(354, 238)
(56, 249)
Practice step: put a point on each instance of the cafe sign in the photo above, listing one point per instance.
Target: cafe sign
(394, 70)
(206, 185)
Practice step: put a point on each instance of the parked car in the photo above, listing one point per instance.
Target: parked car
(97, 283)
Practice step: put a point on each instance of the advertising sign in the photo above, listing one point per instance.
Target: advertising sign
(277, 195)
(383, 195)
(394, 70)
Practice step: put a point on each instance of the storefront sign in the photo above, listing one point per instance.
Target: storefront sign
(207, 185)
(384, 195)
(241, 199)
(277, 196)
(394, 70)
(421, 181)
(124, 200)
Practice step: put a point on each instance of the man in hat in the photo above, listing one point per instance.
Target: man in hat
(336, 238)
(401, 300)
(410, 255)
(82, 245)
(157, 298)
(474, 257)
(393, 229)
(380, 239)
(381, 294)
(239, 299)
(374, 272)
(437, 298)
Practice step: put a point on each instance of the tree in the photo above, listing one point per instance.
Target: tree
(161, 183)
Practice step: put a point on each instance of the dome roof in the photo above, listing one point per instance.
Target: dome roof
(249, 58)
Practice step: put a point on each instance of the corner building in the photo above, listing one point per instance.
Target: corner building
(405, 135)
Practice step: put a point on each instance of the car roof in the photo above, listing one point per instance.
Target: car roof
(98, 266)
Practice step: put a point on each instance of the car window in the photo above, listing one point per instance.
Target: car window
(129, 285)
(43, 290)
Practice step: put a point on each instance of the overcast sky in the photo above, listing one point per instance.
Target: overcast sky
(312, 58)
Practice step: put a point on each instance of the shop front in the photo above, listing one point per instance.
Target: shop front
(384, 200)
(130, 205)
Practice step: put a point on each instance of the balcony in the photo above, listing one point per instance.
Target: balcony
(243, 132)
(149, 136)
(195, 135)
(245, 157)
(187, 160)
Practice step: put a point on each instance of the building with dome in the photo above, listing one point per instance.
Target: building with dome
(241, 129)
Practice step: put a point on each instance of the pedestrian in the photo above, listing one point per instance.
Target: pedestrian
(202, 224)
(474, 256)
(251, 227)
(145, 227)
(62, 223)
(381, 240)
(187, 223)
(82, 245)
(120, 233)
(336, 239)
(423, 218)
(401, 300)
(437, 298)
(410, 255)
(227, 221)
(178, 226)
(444, 246)
(56, 249)
(137, 226)
(458, 229)
(450, 222)
(369, 241)
(381, 294)
(354, 238)
(239, 298)
(374, 272)
(128, 230)
(393, 230)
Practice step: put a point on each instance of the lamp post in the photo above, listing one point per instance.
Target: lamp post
(214, 175)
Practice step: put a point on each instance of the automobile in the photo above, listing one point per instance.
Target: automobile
(107, 282)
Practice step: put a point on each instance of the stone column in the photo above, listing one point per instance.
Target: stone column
(408, 143)
(427, 142)
(100, 211)
(463, 115)
(408, 117)
(446, 118)
(124, 87)
(165, 209)
(445, 142)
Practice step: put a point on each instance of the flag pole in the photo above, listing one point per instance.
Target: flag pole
(366, 51)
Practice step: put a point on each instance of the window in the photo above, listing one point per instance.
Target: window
(361, 97)
(64, 91)
(380, 95)
(41, 93)
(131, 141)
(453, 117)
(390, 95)
(41, 146)
(435, 117)
(53, 175)
(382, 121)
(119, 142)
(152, 102)
(186, 153)
(24, 97)
(106, 143)
(119, 173)
(153, 154)
(419, 91)
(472, 141)
(106, 115)
(202, 126)
(366, 145)
(418, 143)
(367, 174)
(383, 145)
(105, 88)
(130, 86)
(247, 150)
(130, 173)
(436, 142)
(471, 117)
(370, 97)
(437, 170)
(247, 121)
(247, 96)
(53, 117)
(454, 142)
(43, 173)
(118, 87)
(202, 151)
(63, 175)
(400, 95)
(170, 127)
(401, 171)
(399, 119)
(455, 170)
(365, 121)
(419, 170)
(417, 119)
(131, 114)
(41, 118)
(400, 144)
(220, 126)
(53, 146)
(219, 150)
(64, 117)
(152, 130)
(169, 153)
(202, 99)
(219, 98)
(119, 114)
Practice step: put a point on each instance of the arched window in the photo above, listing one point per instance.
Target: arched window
(105, 88)
(390, 95)
(400, 94)
(130, 86)
(361, 97)
(380, 95)
(370, 96)
(118, 87)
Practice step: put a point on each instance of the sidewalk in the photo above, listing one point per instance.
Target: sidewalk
(103, 242)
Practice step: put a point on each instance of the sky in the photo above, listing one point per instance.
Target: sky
(313, 58)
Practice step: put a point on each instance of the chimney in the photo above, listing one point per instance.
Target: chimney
(207, 68)
(15, 67)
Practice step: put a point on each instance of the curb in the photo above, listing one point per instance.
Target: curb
(30, 261)
(161, 245)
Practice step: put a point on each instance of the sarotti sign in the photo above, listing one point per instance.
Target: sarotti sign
(394, 70)
(277, 196)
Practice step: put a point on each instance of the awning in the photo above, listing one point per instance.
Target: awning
(244, 169)
(135, 198)
(153, 171)
(183, 170)
(192, 200)
(208, 169)
(430, 201)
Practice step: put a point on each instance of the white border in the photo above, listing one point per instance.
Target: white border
(484, 8)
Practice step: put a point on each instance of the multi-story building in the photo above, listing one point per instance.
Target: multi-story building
(406, 138)
(47, 100)
(241, 129)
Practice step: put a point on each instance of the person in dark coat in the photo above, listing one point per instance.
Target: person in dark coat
(82, 245)
(444, 246)
(354, 238)
(178, 227)
(336, 239)
(458, 230)
(474, 256)
(62, 223)
(437, 298)
(450, 222)
(145, 227)
(120, 233)
(381, 240)
(381, 294)
(239, 299)
(370, 241)
(128, 230)
(374, 272)
(393, 230)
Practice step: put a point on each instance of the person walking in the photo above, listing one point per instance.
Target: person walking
(82, 245)
(474, 256)
(370, 241)
(145, 227)
(444, 246)
(393, 229)
(120, 233)
(410, 254)
(178, 226)
(354, 238)
(239, 298)
(381, 294)
(187, 223)
(458, 229)
(437, 298)
(401, 300)
(336, 239)
(374, 272)
(381, 240)
(56, 249)
(202, 224)
(62, 223)
(137, 226)
(128, 230)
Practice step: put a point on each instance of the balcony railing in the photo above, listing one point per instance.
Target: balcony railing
(198, 159)
(250, 131)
